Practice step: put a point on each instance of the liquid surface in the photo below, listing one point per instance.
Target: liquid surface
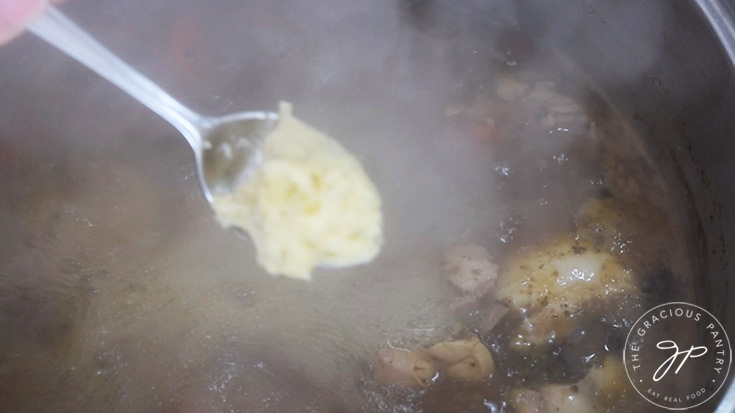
(308, 204)
(120, 292)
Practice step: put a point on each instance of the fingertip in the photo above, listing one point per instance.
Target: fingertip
(17, 13)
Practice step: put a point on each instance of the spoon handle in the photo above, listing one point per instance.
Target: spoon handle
(56, 29)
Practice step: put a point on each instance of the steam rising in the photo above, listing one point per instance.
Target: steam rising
(187, 321)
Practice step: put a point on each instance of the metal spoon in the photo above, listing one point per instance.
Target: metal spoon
(226, 149)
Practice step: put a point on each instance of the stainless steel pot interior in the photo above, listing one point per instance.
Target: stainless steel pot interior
(66, 130)
(671, 69)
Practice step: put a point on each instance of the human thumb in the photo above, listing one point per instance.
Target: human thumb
(16, 14)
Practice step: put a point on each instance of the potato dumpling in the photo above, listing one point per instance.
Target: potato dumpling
(310, 203)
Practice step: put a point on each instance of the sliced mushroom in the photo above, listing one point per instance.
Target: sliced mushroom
(401, 366)
(467, 361)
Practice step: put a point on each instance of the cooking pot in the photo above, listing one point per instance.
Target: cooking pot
(118, 286)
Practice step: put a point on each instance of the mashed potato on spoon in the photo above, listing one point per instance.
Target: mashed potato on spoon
(310, 203)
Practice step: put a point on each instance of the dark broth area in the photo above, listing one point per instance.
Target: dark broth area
(543, 177)
(120, 292)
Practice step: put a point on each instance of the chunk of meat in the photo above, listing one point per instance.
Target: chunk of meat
(560, 109)
(610, 379)
(467, 360)
(470, 269)
(543, 93)
(602, 387)
(641, 236)
(552, 282)
(401, 366)
(463, 304)
(575, 398)
(527, 401)
(480, 129)
(628, 172)
(487, 118)
(514, 100)
(562, 113)
(490, 316)
(635, 231)
(510, 89)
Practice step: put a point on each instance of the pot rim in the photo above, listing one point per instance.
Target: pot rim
(721, 16)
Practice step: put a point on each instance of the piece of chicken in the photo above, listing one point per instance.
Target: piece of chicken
(610, 379)
(527, 401)
(402, 366)
(601, 388)
(510, 89)
(560, 111)
(635, 231)
(490, 316)
(469, 268)
(575, 398)
(466, 361)
(552, 282)
(628, 172)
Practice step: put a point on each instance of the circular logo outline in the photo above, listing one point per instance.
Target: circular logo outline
(625, 349)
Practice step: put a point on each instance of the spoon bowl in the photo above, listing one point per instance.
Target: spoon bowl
(226, 149)
(230, 150)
